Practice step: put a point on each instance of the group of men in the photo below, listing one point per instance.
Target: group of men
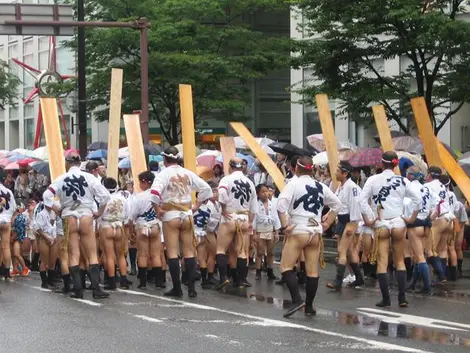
(216, 227)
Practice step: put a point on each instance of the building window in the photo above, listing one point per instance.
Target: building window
(13, 112)
(2, 135)
(28, 133)
(29, 110)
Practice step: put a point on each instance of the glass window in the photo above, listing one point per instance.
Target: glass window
(29, 110)
(28, 47)
(43, 43)
(29, 133)
(2, 118)
(2, 135)
(13, 50)
(43, 60)
(13, 112)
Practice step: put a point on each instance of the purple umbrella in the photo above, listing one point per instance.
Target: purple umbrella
(366, 157)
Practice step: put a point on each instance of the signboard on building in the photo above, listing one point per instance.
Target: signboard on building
(34, 13)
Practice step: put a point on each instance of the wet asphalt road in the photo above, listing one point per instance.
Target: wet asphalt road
(35, 320)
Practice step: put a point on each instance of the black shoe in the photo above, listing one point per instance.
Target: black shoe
(384, 304)
(247, 284)
(62, 290)
(124, 283)
(258, 275)
(334, 285)
(424, 291)
(403, 303)
(174, 293)
(111, 285)
(99, 294)
(206, 284)
(301, 278)
(293, 309)
(310, 311)
(142, 286)
(78, 294)
(192, 293)
(212, 281)
(271, 275)
(45, 285)
(133, 273)
(160, 284)
(280, 282)
(356, 284)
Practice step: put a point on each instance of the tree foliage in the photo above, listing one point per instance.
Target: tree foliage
(8, 86)
(428, 36)
(210, 44)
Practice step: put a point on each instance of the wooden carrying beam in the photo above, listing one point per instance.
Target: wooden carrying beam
(455, 170)
(55, 149)
(384, 130)
(114, 126)
(426, 132)
(187, 127)
(262, 156)
(136, 147)
(227, 147)
(326, 122)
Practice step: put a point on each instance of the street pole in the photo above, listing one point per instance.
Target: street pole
(144, 78)
(82, 116)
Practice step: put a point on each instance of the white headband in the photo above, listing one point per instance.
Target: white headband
(171, 155)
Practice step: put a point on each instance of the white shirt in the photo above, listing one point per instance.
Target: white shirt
(439, 189)
(452, 202)
(76, 186)
(349, 194)
(141, 208)
(175, 184)
(292, 179)
(267, 218)
(214, 219)
(201, 219)
(305, 198)
(8, 205)
(45, 222)
(117, 209)
(460, 212)
(388, 190)
(429, 201)
(238, 193)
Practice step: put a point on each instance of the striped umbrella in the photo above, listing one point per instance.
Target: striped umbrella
(366, 157)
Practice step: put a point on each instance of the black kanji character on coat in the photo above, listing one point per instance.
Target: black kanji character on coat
(313, 200)
(242, 191)
(5, 197)
(393, 183)
(75, 186)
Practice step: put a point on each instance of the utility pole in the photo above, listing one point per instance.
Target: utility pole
(82, 116)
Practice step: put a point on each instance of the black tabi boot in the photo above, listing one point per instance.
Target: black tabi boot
(301, 275)
(124, 283)
(338, 282)
(258, 274)
(271, 275)
(359, 282)
(437, 267)
(190, 263)
(82, 278)
(50, 278)
(416, 276)
(184, 276)
(311, 291)
(66, 288)
(459, 267)
(94, 273)
(401, 281)
(222, 261)
(212, 280)
(142, 278)
(293, 285)
(44, 280)
(174, 266)
(452, 273)
(159, 277)
(111, 283)
(242, 271)
(409, 269)
(444, 266)
(132, 259)
(205, 284)
(383, 283)
(76, 274)
(35, 262)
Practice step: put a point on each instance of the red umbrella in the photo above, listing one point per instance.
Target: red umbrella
(366, 157)
(13, 165)
(69, 151)
(25, 162)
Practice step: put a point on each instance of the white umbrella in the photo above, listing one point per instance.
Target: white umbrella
(264, 142)
(23, 152)
(123, 152)
(41, 153)
(320, 158)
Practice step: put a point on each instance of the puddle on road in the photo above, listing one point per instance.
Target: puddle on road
(376, 327)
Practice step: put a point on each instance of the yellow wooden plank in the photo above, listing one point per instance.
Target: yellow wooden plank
(262, 156)
(114, 126)
(187, 127)
(227, 147)
(55, 149)
(384, 130)
(426, 132)
(328, 131)
(136, 147)
(454, 170)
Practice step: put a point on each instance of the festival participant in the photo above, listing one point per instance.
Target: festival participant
(418, 231)
(147, 229)
(171, 192)
(237, 197)
(436, 247)
(300, 207)
(211, 238)
(112, 235)
(266, 226)
(450, 262)
(7, 207)
(461, 219)
(387, 191)
(46, 230)
(348, 218)
(77, 192)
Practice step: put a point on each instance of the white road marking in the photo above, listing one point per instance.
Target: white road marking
(41, 289)
(86, 301)
(147, 318)
(400, 318)
(211, 336)
(279, 323)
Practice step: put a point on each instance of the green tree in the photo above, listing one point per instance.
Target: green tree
(428, 36)
(8, 86)
(210, 44)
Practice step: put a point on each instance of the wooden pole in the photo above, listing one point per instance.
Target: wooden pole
(455, 170)
(426, 132)
(227, 147)
(328, 130)
(262, 156)
(384, 131)
(55, 149)
(187, 127)
(114, 123)
(136, 147)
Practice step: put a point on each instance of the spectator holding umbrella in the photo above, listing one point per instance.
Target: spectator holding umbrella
(22, 186)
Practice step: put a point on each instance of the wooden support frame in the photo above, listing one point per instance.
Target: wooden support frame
(187, 127)
(227, 147)
(136, 147)
(53, 136)
(384, 130)
(114, 126)
(262, 156)
(328, 130)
